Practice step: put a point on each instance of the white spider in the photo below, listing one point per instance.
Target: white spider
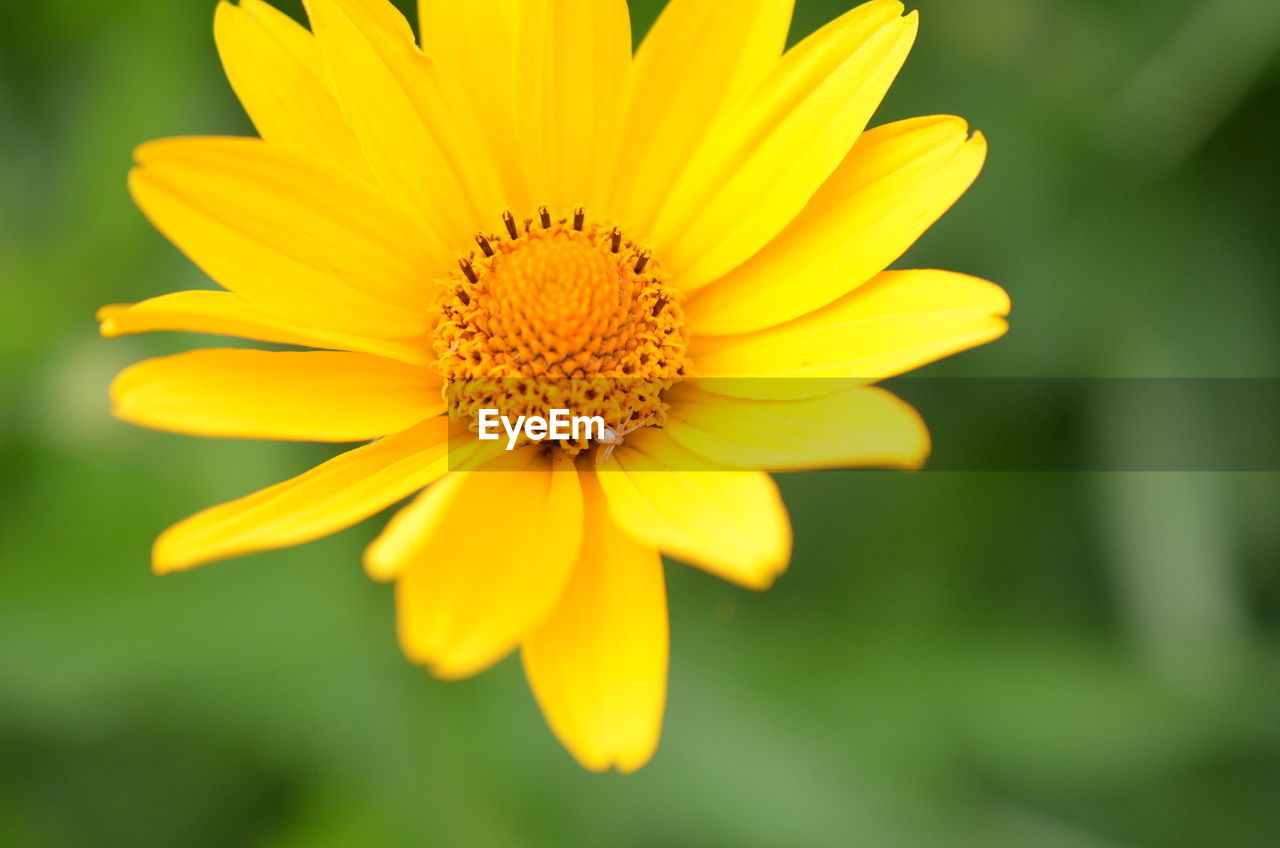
(611, 440)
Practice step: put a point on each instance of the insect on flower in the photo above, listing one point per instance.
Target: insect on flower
(613, 439)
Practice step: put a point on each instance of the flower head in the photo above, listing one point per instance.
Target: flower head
(561, 314)
(689, 244)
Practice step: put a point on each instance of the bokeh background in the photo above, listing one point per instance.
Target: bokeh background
(1065, 660)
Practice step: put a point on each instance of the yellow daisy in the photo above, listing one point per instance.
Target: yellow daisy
(669, 239)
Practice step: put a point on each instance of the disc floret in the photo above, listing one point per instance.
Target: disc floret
(561, 314)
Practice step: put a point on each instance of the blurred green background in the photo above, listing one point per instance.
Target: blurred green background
(955, 659)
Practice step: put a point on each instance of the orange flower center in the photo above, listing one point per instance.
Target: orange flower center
(561, 314)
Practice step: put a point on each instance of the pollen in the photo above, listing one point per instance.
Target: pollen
(560, 313)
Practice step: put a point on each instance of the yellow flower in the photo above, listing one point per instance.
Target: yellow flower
(523, 198)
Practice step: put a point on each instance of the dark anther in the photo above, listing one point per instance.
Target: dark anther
(484, 245)
(615, 243)
(660, 305)
(510, 221)
(544, 215)
(643, 262)
(579, 218)
(464, 297)
(465, 265)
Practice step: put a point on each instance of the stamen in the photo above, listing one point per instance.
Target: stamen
(484, 245)
(465, 264)
(615, 240)
(544, 214)
(510, 221)
(579, 218)
(643, 261)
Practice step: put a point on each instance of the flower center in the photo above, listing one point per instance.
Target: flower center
(560, 314)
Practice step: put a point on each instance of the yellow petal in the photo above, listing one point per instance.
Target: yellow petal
(899, 321)
(757, 170)
(495, 549)
(228, 314)
(329, 497)
(598, 664)
(274, 67)
(318, 396)
(572, 60)
(421, 151)
(399, 544)
(474, 47)
(297, 237)
(695, 66)
(897, 180)
(859, 427)
(731, 523)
